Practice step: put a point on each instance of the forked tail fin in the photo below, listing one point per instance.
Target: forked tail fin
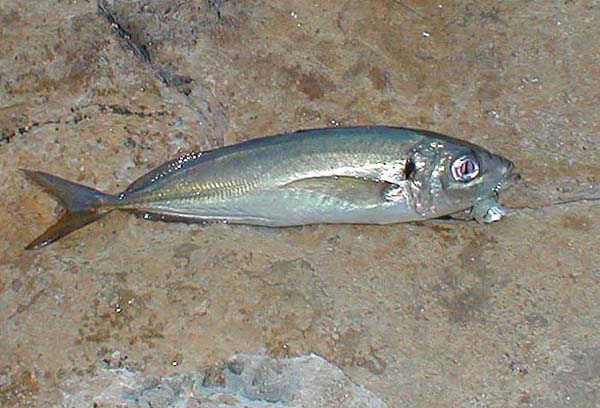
(83, 205)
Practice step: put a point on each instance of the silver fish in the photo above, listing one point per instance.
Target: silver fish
(362, 175)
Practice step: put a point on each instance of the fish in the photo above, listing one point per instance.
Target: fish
(341, 175)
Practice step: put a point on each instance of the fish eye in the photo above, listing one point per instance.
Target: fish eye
(465, 169)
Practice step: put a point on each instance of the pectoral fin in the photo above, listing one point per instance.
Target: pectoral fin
(344, 188)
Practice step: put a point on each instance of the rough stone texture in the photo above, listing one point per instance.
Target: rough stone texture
(429, 314)
(249, 381)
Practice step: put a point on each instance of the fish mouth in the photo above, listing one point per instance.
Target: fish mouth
(506, 177)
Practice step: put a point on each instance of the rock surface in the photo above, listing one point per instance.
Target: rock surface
(425, 314)
(250, 381)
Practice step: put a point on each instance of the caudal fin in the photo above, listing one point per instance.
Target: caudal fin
(83, 205)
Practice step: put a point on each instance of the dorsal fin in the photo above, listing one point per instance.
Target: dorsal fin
(164, 170)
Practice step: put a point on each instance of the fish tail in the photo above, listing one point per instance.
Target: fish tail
(83, 206)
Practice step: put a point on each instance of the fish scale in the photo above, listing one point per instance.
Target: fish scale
(222, 188)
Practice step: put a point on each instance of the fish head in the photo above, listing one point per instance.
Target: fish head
(456, 175)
